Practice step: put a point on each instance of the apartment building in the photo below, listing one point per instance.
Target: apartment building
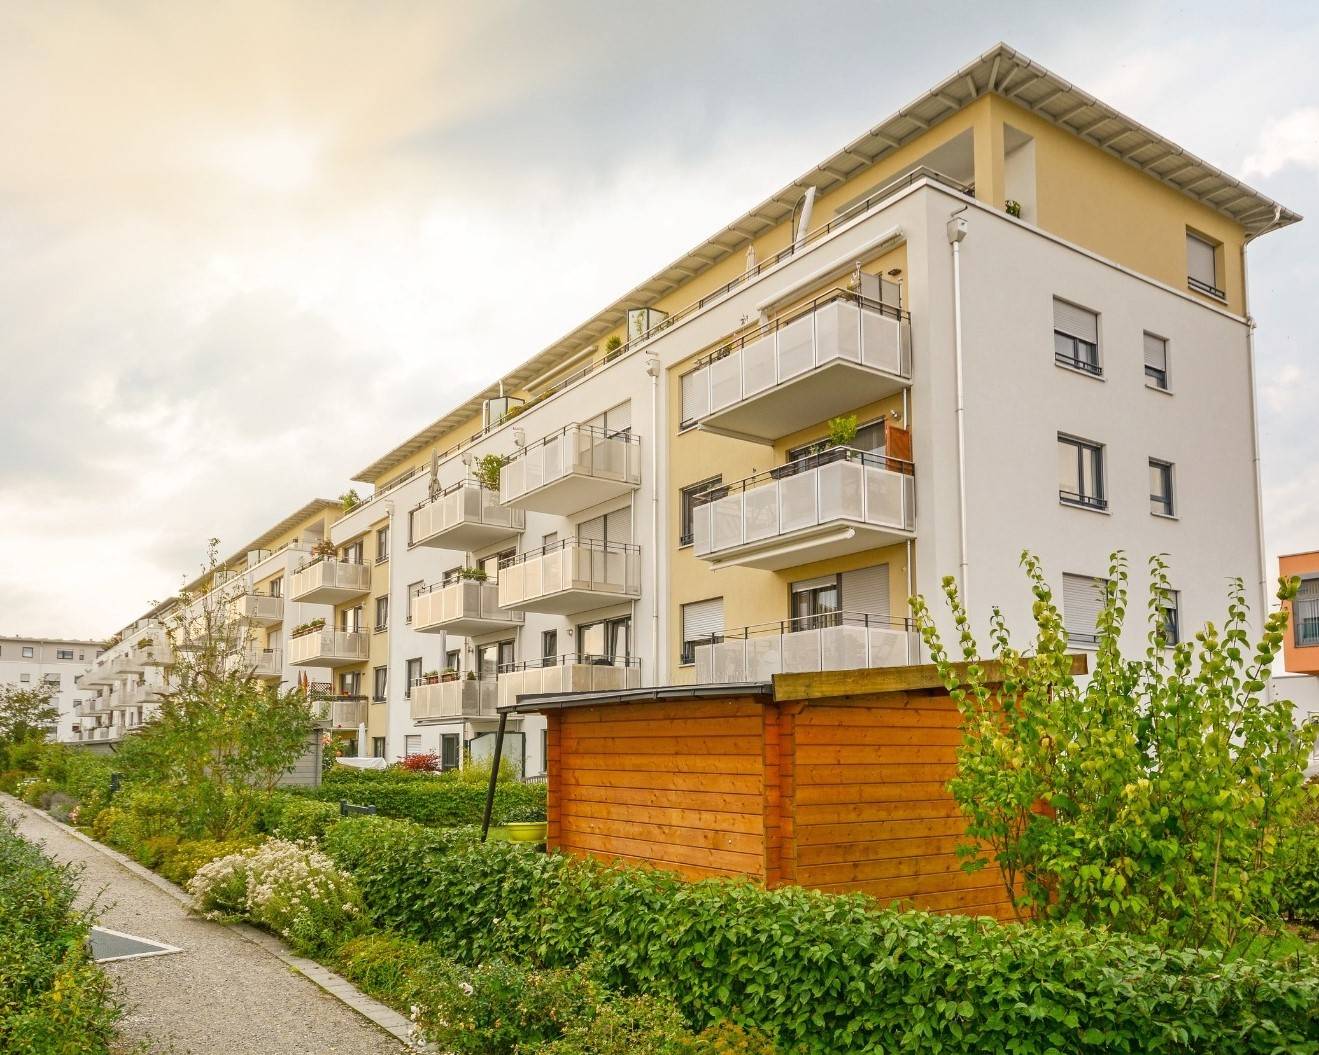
(1007, 317)
(27, 662)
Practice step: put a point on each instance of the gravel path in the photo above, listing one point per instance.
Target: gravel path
(221, 995)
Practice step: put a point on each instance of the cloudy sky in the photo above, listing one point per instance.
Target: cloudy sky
(247, 247)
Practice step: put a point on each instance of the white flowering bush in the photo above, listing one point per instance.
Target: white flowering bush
(289, 888)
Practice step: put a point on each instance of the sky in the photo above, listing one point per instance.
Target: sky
(246, 248)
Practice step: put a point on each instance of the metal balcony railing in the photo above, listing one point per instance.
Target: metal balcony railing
(607, 569)
(837, 640)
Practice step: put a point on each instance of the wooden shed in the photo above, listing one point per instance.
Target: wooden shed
(834, 780)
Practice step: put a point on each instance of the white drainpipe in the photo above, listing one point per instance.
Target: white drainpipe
(957, 230)
(653, 369)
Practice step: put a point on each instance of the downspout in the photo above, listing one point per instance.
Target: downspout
(389, 637)
(653, 369)
(1254, 423)
(494, 776)
(957, 230)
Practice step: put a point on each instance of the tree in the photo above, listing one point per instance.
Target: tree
(26, 714)
(1150, 799)
(221, 738)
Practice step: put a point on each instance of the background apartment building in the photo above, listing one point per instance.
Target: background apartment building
(28, 662)
(1031, 308)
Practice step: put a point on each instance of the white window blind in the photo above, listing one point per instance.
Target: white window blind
(689, 396)
(1156, 352)
(1075, 322)
(411, 745)
(1083, 599)
(618, 525)
(1200, 260)
(619, 418)
(1309, 590)
(866, 590)
(700, 619)
(805, 585)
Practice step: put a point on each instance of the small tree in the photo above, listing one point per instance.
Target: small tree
(27, 714)
(221, 738)
(1152, 798)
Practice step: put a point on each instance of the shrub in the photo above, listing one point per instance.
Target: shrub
(53, 1000)
(1299, 885)
(449, 800)
(116, 827)
(292, 890)
(181, 864)
(830, 973)
(38, 792)
(81, 774)
(302, 819)
(422, 763)
(59, 806)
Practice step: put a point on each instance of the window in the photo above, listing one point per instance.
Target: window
(377, 747)
(870, 438)
(25, 678)
(612, 527)
(453, 660)
(350, 619)
(1170, 604)
(865, 591)
(815, 602)
(414, 591)
(352, 553)
(350, 684)
(1083, 599)
(414, 675)
(380, 684)
(64, 653)
(276, 587)
(28, 653)
(382, 613)
(607, 641)
(1081, 473)
(382, 544)
(449, 744)
(1156, 362)
(1305, 613)
(616, 421)
(702, 621)
(686, 507)
(693, 399)
(1161, 502)
(491, 565)
(51, 679)
(1202, 265)
(1076, 337)
(494, 657)
(549, 647)
(411, 745)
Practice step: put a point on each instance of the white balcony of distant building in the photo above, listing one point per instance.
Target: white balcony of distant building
(572, 469)
(329, 648)
(832, 641)
(264, 664)
(571, 575)
(260, 609)
(329, 580)
(462, 606)
(568, 673)
(453, 696)
(464, 517)
(814, 508)
(840, 352)
(340, 712)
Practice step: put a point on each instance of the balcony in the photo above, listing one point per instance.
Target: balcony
(340, 712)
(465, 607)
(265, 664)
(840, 352)
(456, 698)
(330, 581)
(464, 517)
(572, 575)
(568, 673)
(575, 468)
(837, 641)
(821, 506)
(260, 609)
(329, 648)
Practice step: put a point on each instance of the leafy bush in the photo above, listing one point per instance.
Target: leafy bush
(81, 774)
(448, 800)
(187, 857)
(1299, 887)
(422, 763)
(301, 819)
(53, 1000)
(38, 792)
(292, 890)
(828, 973)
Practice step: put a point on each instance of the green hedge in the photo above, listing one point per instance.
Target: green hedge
(446, 801)
(827, 973)
(1298, 886)
(53, 1000)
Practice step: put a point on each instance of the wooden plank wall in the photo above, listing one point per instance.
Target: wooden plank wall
(871, 811)
(674, 785)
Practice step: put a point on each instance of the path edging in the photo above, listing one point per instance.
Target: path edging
(336, 985)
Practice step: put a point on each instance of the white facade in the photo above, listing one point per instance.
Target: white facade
(28, 662)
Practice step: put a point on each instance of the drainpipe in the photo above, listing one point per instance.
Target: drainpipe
(1254, 425)
(653, 369)
(957, 229)
(389, 637)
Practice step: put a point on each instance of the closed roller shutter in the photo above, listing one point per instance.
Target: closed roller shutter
(1083, 599)
(618, 525)
(700, 620)
(1200, 260)
(619, 418)
(1156, 352)
(1075, 322)
(689, 396)
(866, 590)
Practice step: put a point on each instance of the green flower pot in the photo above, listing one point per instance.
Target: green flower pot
(521, 832)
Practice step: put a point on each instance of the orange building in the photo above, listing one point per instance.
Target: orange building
(1301, 645)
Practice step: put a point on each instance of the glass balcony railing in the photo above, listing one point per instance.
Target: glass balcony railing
(464, 517)
(329, 648)
(457, 697)
(572, 469)
(464, 607)
(572, 672)
(329, 580)
(572, 575)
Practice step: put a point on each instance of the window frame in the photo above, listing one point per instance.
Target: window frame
(1161, 383)
(687, 508)
(379, 684)
(1098, 502)
(1199, 285)
(382, 614)
(382, 544)
(1169, 501)
(1074, 360)
(1172, 626)
(409, 678)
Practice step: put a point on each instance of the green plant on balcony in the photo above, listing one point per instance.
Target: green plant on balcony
(842, 430)
(487, 470)
(474, 574)
(432, 677)
(613, 348)
(1013, 208)
(323, 549)
(307, 628)
(349, 500)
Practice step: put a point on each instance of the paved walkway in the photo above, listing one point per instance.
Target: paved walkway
(223, 994)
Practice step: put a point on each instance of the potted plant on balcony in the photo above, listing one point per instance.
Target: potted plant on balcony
(432, 677)
(323, 549)
(613, 348)
(449, 674)
(474, 574)
(487, 470)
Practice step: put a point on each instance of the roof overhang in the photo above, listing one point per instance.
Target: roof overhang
(1002, 71)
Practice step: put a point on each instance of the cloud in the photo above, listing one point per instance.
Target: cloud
(1289, 140)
